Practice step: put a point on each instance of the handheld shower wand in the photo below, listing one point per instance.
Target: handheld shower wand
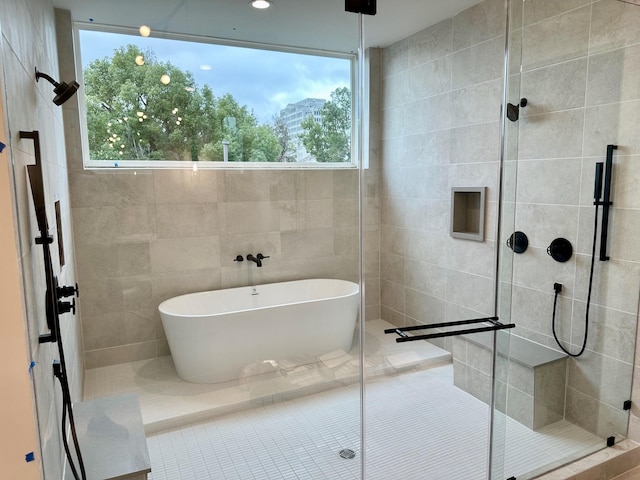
(605, 202)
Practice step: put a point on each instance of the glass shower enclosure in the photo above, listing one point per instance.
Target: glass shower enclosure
(468, 221)
(531, 104)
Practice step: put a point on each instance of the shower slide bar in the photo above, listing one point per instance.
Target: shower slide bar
(37, 192)
(494, 322)
(606, 202)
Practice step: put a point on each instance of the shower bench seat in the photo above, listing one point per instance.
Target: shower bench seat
(111, 437)
(530, 377)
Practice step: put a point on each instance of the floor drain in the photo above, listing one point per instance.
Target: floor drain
(347, 453)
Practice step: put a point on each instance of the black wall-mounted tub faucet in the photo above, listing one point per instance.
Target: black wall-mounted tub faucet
(257, 259)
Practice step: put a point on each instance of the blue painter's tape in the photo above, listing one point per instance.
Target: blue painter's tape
(2, 145)
(31, 366)
(29, 457)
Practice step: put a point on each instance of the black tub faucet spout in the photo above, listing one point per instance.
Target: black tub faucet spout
(251, 258)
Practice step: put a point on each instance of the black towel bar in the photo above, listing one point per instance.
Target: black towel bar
(493, 321)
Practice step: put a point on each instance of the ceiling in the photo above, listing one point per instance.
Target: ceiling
(317, 24)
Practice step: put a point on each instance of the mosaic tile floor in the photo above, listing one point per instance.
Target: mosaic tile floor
(418, 425)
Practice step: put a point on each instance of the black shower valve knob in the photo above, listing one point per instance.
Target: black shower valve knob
(68, 291)
(66, 307)
(560, 250)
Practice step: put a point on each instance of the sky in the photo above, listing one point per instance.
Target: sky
(266, 81)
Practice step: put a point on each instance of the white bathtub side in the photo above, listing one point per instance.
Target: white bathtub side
(219, 348)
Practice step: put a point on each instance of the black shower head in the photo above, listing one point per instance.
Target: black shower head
(64, 91)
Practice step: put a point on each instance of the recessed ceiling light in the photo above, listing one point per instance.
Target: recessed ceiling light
(145, 31)
(261, 4)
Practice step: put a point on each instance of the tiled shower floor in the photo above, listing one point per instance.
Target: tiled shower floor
(418, 425)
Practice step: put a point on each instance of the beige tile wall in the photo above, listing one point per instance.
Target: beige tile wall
(143, 237)
(29, 41)
(441, 98)
(580, 75)
(183, 234)
(442, 91)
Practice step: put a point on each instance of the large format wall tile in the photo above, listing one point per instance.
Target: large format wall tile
(430, 44)
(539, 10)
(552, 135)
(557, 39)
(429, 79)
(613, 76)
(614, 25)
(475, 143)
(478, 63)
(540, 87)
(479, 23)
(476, 104)
(614, 123)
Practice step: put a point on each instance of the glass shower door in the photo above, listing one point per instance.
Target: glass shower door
(575, 308)
(429, 402)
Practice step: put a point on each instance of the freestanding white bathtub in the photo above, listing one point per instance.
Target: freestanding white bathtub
(215, 336)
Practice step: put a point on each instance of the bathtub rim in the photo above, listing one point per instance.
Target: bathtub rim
(162, 311)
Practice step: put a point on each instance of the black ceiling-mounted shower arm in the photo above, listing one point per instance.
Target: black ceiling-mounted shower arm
(64, 91)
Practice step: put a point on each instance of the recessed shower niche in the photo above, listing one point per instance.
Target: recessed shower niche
(467, 212)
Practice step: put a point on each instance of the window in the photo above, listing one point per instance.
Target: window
(170, 102)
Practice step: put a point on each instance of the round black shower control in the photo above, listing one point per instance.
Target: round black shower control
(518, 242)
(560, 250)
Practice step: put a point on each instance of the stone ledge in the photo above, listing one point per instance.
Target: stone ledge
(112, 439)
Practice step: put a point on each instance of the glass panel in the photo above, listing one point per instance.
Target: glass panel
(575, 66)
(428, 402)
(236, 292)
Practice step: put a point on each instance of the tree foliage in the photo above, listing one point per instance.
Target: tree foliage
(329, 139)
(132, 115)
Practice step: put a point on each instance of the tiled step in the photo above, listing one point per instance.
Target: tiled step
(633, 474)
(606, 464)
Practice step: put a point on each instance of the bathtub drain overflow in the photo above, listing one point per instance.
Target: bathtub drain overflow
(347, 453)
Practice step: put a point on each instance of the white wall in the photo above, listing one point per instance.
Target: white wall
(17, 409)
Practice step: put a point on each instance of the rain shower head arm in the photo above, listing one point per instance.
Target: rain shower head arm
(40, 75)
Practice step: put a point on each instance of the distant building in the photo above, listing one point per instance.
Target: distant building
(293, 116)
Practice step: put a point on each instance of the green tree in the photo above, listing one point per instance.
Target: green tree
(330, 139)
(132, 115)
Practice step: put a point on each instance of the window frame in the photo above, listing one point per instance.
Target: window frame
(111, 165)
